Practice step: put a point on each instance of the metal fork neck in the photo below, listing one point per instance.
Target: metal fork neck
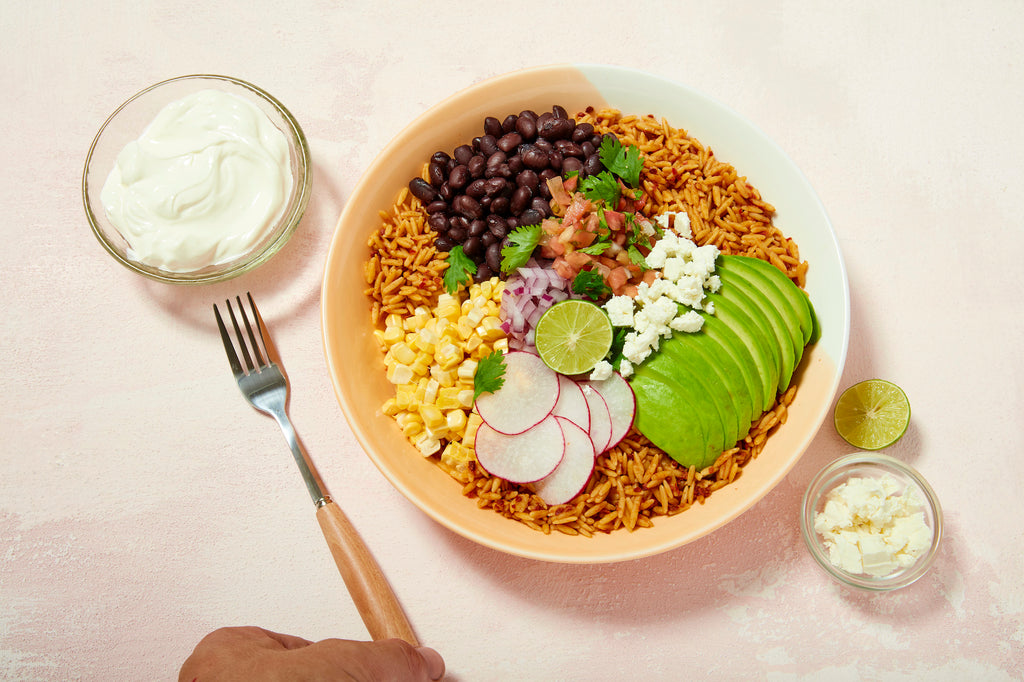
(314, 484)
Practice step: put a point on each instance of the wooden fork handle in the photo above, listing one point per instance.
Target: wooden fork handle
(374, 599)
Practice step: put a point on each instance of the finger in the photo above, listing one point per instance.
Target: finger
(389, 659)
(287, 641)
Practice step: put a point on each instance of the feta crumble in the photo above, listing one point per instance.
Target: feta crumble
(686, 271)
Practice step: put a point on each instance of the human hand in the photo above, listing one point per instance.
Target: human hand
(251, 654)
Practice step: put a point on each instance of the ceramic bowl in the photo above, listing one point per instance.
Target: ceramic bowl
(356, 365)
(129, 121)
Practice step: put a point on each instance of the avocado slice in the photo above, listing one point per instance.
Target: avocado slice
(675, 418)
(680, 351)
(723, 367)
(758, 339)
(774, 282)
(786, 331)
(733, 345)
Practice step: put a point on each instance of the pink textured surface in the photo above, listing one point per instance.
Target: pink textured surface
(142, 503)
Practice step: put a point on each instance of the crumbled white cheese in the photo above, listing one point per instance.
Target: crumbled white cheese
(602, 370)
(868, 527)
(686, 270)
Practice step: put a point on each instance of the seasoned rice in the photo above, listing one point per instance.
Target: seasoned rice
(635, 482)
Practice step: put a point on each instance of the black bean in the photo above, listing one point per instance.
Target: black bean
(463, 153)
(492, 126)
(422, 190)
(582, 133)
(440, 158)
(495, 186)
(530, 216)
(477, 188)
(471, 246)
(571, 164)
(593, 165)
(446, 192)
(459, 221)
(520, 199)
(477, 227)
(587, 148)
(515, 164)
(559, 112)
(437, 174)
(509, 124)
(528, 178)
(527, 127)
(467, 206)
(488, 145)
(438, 222)
(438, 206)
(500, 205)
(528, 113)
(509, 141)
(555, 161)
(488, 239)
(535, 158)
(485, 203)
(457, 235)
(541, 206)
(497, 226)
(483, 273)
(443, 243)
(496, 159)
(477, 165)
(493, 256)
(544, 145)
(459, 177)
(568, 148)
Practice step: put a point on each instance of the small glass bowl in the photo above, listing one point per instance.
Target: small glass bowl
(129, 121)
(870, 465)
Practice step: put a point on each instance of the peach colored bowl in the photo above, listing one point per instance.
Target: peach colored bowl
(356, 365)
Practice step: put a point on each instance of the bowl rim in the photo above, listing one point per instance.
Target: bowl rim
(299, 146)
(835, 473)
(621, 82)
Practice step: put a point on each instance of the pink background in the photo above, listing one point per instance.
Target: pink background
(143, 503)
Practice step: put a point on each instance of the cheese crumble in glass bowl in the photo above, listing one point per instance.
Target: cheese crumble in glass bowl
(872, 522)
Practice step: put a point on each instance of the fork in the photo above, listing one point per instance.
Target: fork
(264, 384)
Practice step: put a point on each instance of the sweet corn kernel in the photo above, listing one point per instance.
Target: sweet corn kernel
(464, 327)
(469, 435)
(447, 307)
(490, 328)
(405, 395)
(448, 399)
(456, 420)
(402, 353)
(399, 374)
(456, 456)
(390, 407)
(475, 315)
(412, 429)
(500, 346)
(466, 397)
(430, 395)
(472, 344)
(432, 417)
(427, 445)
(394, 320)
(421, 367)
(448, 355)
(467, 370)
(393, 335)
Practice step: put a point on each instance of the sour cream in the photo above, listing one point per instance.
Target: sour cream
(206, 181)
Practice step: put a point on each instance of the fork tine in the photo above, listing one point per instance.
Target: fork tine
(248, 328)
(261, 327)
(229, 348)
(238, 334)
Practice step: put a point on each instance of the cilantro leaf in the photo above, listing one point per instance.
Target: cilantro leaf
(636, 258)
(461, 269)
(625, 162)
(590, 284)
(490, 374)
(595, 249)
(601, 187)
(521, 243)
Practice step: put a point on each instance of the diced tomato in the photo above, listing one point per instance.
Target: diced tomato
(563, 269)
(616, 220)
(558, 192)
(617, 279)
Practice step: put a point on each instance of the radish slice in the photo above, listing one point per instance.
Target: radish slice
(621, 402)
(571, 403)
(573, 472)
(600, 418)
(528, 395)
(524, 457)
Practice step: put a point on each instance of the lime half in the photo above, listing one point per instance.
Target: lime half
(873, 414)
(572, 336)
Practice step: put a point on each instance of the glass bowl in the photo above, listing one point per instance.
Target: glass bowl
(129, 121)
(871, 466)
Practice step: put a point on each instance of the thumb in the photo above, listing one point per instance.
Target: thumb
(388, 659)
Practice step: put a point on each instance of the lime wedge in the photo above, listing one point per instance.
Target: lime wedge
(572, 336)
(873, 414)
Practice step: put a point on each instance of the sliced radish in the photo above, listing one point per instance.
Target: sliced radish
(621, 402)
(571, 403)
(524, 457)
(600, 418)
(527, 396)
(573, 472)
